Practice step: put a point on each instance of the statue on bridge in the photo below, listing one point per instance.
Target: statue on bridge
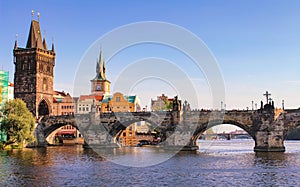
(186, 106)
(176, 104)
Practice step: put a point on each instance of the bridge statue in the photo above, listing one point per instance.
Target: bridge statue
(267, 126)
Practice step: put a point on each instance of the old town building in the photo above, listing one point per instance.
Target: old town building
(34, 69)
(10, 95)
(4, 84)
(120, 103)
(85, 102)
(62, 104)
(163, 103)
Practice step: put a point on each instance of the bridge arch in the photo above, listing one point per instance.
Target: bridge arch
(121, 126)
(48, 124)
(122, 122)
(203, 127)
(56, 126)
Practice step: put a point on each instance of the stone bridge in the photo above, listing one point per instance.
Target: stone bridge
(267, 127)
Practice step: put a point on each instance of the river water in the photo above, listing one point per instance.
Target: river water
(217, 163)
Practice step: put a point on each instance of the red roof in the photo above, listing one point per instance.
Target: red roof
(96, 97)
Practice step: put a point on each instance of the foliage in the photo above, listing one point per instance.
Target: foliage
(18, 123)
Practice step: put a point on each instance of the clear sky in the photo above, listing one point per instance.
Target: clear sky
(256, 43)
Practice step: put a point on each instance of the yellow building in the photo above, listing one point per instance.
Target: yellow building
(120, 103)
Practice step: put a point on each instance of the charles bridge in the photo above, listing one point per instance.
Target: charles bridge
(267, 126)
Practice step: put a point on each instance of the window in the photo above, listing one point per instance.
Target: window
(41, 67)
(45, 86)
(79, 109)
(118, 99)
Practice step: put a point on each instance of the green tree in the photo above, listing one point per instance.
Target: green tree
(18, 123)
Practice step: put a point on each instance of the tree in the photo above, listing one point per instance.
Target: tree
(18, 123)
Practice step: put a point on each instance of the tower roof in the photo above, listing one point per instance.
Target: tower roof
(100, 68)
(35, 36)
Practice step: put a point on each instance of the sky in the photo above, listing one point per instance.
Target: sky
(255, 43)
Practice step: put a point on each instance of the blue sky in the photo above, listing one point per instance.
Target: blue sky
(256, 43)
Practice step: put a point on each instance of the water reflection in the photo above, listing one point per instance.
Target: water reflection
(268, 160)
(220, 164)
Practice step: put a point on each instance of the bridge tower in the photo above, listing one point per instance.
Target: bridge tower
(33, 78)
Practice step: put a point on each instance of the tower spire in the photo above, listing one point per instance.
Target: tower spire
(44, 41)
(102, 66)
(52, 48)
(16, 42)
(34, 36)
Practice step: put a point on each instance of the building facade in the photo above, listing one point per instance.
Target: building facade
(4, 76)
(85, 102)
(120, 103)
(162, 103)
(10, 95)
(34, 69)
(62, 104)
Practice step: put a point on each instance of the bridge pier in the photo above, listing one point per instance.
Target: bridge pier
(269, 131)
(270, 139)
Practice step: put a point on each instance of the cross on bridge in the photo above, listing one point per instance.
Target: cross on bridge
(267, 94)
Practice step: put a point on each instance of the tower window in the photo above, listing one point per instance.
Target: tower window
(41, 67)
(45, 86)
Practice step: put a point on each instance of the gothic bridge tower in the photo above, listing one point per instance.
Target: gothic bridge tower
(33, 78)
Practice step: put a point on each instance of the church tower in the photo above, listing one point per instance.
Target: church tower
(100, 85)
(33, 78)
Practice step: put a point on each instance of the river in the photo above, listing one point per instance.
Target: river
(217, 163)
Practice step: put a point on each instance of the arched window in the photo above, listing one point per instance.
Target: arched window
(45, 86)
(41, 67)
